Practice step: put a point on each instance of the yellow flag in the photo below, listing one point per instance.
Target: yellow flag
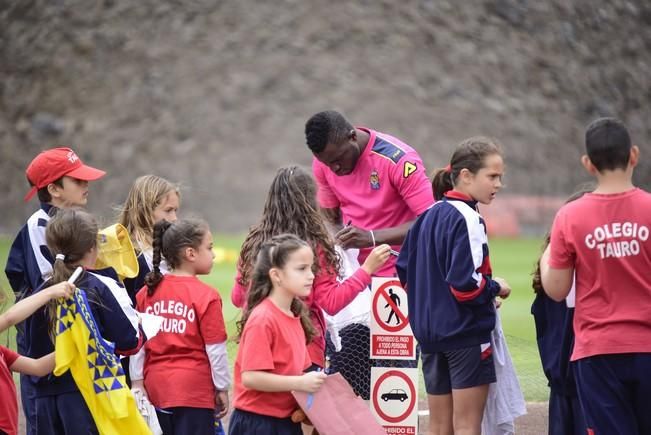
(95, 368)
(116, 251)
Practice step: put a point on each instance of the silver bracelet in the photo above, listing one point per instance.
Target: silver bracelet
(372, 237)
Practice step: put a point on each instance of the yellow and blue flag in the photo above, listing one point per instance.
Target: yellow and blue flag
(95, 368)
(116, 251)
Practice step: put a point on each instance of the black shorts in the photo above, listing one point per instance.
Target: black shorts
(244, 423)
(186, 420)
(456, 369)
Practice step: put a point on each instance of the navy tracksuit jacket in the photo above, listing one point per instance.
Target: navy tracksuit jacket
(444, 264)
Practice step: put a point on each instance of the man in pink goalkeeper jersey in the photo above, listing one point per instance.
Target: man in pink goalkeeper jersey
(371, 183)
(372, 187)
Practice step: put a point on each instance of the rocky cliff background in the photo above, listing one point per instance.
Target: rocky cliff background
(215, 94)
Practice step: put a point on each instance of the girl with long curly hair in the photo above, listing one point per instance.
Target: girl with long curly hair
(291, 208)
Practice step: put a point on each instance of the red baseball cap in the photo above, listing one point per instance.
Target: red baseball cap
(50, 165)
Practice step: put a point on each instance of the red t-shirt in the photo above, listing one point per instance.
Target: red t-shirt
(328, 294)
(605, 238)
(8, 402)
(275, 342)
(388, 187)
(177, 369)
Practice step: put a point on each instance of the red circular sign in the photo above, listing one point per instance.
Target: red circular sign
(381, 291)
(412, 397)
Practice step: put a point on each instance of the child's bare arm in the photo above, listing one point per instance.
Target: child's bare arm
(34, 367)
(264, 381)
(378, 256)
(556, 282)
(26, 307)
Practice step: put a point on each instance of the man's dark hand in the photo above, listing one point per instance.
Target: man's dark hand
(353, 237)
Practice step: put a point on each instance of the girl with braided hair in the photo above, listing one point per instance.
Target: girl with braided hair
(291, 208)
(186, 374)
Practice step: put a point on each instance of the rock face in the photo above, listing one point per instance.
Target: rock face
(215, 94)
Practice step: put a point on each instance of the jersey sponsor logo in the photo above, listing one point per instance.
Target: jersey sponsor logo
(374, 180)
(608, 239)
(388, 150)
(408, 169)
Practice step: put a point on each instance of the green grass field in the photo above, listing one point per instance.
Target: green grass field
(511, 259)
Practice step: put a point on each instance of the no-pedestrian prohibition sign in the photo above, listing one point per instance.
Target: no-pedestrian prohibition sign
(391, 335)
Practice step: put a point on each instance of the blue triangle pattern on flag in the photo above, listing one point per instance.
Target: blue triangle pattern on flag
(98, 388)
(98, 373)
(91, 346)
(116, 385)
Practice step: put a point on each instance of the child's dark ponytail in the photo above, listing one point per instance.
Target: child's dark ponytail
(153, 278)
(442, 182)
(299, 308)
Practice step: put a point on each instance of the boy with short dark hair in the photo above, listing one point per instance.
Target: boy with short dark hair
(60, 179)
(603, 238)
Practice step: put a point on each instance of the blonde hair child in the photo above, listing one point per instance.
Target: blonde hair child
(150, 200)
